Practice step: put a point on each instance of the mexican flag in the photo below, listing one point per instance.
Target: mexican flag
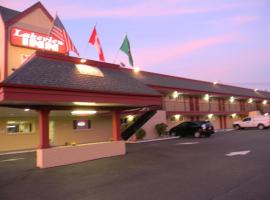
(125, 47)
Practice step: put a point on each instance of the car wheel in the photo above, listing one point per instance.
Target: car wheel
(197, 134)
(261, 126)
(237, 127)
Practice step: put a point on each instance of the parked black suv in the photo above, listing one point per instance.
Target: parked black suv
(196, 129)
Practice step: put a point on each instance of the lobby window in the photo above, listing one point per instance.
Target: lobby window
(82, 124)
(19, 127)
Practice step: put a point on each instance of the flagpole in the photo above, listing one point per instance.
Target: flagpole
(116, 55)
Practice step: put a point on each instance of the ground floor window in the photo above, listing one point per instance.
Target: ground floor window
(19, 127)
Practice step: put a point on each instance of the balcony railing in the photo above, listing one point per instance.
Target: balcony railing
(179, 106)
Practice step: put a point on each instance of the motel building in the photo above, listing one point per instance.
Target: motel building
(72, 110)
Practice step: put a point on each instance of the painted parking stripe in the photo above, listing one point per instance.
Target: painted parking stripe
(11, 160)
(238, 153)
(187, 143)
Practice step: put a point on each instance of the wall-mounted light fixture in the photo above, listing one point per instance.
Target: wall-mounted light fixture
(232, 99)
(130, 118)
(234, 115)
(136, 69)
(177, 117)
(206, 97)
(210, 116)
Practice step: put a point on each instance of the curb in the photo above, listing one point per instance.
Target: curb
(151, 140)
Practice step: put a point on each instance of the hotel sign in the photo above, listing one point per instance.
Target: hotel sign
(30, 39)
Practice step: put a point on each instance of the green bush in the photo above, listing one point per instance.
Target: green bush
(140, 134)
(161, 129)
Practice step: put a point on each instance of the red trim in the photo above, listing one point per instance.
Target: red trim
(220, 121)
(43, 121)
(225, 122)
(194, 113)
(116, 126)
(27, 11)
(163, 88)
(31, 95)
(72, 90)
(191, 104)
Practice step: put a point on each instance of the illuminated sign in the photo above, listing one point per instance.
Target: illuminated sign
(30, 39)
(82, 124)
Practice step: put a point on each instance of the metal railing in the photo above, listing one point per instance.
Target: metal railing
(180, 106)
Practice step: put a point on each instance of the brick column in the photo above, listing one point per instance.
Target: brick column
(43, 123)
(116, 132)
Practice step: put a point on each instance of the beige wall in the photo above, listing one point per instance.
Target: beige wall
(16, 141)
(36, 21)
(216, 122)
(101, 130)
(149, 127)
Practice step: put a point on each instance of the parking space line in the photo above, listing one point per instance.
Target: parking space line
(186, 143)
(238, 153)
(11, 159)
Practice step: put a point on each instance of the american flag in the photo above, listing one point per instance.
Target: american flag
(58, 31)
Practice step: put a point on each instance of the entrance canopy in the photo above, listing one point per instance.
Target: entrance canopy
(62, 82)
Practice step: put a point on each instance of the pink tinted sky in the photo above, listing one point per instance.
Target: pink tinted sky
(225, 40)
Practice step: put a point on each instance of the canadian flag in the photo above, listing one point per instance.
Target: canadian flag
(94, 40)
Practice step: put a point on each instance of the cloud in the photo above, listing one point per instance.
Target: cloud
(163, 54)
(237, 20)
(143, 9)
(77, 10)
(240, 20)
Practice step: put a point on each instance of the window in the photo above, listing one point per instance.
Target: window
(82, 124)
(19, 127)
(247, 119)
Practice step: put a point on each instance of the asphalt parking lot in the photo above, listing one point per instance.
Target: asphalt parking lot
(186, 169)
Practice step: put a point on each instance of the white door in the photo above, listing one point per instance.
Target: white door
(51, 133)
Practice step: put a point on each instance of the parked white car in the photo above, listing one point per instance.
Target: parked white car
(260, 122)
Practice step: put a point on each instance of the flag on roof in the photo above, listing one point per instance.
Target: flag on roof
(125, 47)
(94, 40)
(58, 31)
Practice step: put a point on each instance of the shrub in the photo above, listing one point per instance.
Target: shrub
(161, 129)
(140, 134)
